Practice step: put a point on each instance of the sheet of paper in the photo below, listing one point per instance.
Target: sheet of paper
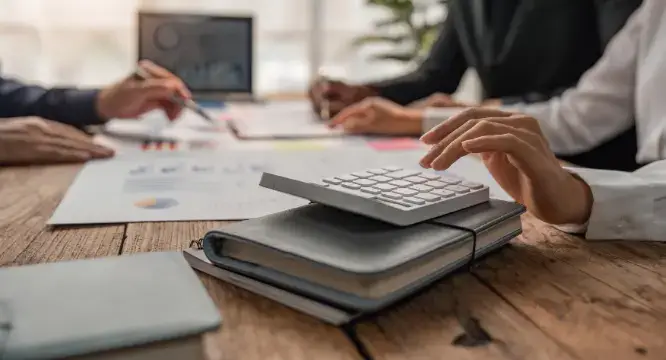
(278, 120)
(183, 186)
(153, 132)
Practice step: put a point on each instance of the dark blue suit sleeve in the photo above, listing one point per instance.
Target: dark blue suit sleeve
(70, 106)
(441, 71)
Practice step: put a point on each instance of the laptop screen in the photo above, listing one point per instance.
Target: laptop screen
(210, 53)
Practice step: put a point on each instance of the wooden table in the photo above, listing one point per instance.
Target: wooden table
(547, 296)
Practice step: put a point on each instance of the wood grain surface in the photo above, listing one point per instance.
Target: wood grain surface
(547, 296)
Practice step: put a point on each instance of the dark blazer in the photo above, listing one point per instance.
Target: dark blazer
(542, 48)
(70, 106)
(545, 46)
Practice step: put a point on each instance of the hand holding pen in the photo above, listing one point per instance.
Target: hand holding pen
(150, 87)
(330, 96)
(184, 100)
(325, 105)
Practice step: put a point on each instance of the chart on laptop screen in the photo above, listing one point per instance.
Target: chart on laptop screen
(209, 53)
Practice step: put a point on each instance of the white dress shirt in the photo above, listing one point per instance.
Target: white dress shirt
(627, 86)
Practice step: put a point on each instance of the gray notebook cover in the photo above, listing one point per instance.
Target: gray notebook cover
(354, 243)
(86, 306)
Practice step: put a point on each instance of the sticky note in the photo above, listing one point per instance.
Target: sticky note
(394, 144)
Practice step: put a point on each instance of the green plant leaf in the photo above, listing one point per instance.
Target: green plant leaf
(368, 39)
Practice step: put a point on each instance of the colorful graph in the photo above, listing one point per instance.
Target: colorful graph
(159, 145)
(156, 203)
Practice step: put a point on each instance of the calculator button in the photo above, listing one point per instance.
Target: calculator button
(362, 174)
(458, 189)
(421, 188)
(378, 171)
(472, 185)
(370, 190)
(405, 192)
(415, 201)
(400, 183)
(332, 181)
(416, 180)
(428, 197)
(354, 186)
(391, 195)
(380, 178)
(443, 193)
(402, 174)
(429, 176)
(436, 184)
(364, 182)
(346, 177)
(450, 181)
(384, 187)
(391, 201)
(321, 183)
(392, 168)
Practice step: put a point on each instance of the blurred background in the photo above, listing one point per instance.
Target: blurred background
(93, 42)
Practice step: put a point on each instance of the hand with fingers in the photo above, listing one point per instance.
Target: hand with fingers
(132, 97)
(516, 153)
(336, 94)
(37, 141)
(378, 116)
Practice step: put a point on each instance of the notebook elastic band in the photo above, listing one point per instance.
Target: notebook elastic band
(472, 259)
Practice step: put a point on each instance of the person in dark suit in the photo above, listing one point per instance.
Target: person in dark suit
(40, 125)
(522, 51)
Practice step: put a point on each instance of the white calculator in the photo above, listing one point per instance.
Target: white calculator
(391, 194)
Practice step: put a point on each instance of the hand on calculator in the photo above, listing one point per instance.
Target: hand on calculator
(516, 153)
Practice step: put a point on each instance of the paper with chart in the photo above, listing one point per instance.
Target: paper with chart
(278, 120)
(217, 186)
(153, 132)
(201, 186)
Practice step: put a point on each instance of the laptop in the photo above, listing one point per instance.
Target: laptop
(214, 55)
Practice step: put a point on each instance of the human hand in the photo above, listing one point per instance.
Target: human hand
(378, 116)
(437, 100)
(132, 97)
(36, 141)
(338, 95)
(517, 155)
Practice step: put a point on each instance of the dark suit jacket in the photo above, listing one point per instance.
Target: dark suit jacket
(70, 106)
(546, 47)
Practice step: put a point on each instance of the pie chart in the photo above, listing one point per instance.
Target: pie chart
(156, 203)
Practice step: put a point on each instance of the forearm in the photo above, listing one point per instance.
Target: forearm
(415, 86)
(71, 106)
(441, 71)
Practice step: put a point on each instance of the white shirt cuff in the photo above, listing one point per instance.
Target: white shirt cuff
(624, 208)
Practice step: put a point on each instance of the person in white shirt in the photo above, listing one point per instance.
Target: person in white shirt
(517, 146)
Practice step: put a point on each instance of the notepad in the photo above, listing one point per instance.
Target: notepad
(282, 120)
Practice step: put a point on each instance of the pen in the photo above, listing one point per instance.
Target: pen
(187, 103)
(325, 108)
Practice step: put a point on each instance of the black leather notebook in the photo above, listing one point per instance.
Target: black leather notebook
(355, 263)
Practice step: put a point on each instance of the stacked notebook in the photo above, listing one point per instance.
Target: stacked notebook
(340, 266)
